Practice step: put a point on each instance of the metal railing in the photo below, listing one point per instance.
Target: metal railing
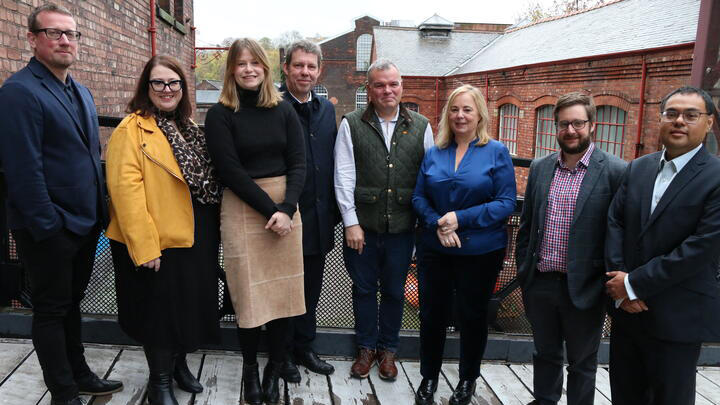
(335, 308)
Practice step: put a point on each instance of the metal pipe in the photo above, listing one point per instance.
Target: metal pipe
(437, 102)
(152, 28)
(194, 64)
(641, 110)
(487, 88)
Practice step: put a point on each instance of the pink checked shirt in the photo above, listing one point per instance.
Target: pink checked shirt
(562, 196)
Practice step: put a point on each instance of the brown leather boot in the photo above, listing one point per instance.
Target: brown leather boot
(363, 363)
(386, 365)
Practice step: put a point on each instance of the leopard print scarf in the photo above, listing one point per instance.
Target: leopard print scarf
(190, 150)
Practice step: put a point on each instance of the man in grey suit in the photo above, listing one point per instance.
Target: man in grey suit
(662, 247)
(560, 247)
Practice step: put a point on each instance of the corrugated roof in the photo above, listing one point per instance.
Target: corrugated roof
(416, 55)
(620, 26)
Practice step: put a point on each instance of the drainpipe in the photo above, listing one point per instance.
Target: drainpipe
(437, 101)
(641, 110)
(487, 88)
(152, 28)
(194, 64)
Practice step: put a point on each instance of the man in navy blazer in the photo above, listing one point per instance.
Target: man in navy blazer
(560, 251)
(302, 67)
(662, 252)
(50, 152)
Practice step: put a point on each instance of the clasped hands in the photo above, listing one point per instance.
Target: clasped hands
(615, 288)
(280, 223)
(446, 227)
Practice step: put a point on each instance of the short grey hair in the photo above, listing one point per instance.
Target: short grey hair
(305, 46)
(381, 64)
(49, 7)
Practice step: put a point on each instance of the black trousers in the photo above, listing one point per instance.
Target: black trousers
(303, 327)
(473, 279)
(59, 270)
(648, 371)
(554, 320)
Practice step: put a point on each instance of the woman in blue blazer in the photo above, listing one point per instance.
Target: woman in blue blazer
(465, 191)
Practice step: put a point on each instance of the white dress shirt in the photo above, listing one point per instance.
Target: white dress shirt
(666, 173)
(345, 164)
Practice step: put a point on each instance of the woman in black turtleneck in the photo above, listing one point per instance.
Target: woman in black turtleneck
(256, 142)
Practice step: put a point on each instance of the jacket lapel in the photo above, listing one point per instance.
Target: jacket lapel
(691, 169)
(545, 176)
(165, 160)
(47, 81)
(649, 172)
(594, 170)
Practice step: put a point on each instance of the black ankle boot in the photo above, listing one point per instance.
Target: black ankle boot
(271, 382)
(160, 363)
(252, 392)
(185, 379)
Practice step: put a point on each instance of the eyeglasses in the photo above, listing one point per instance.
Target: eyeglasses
(159, 85)
(577, 124)
(689, 116)
(55, 34)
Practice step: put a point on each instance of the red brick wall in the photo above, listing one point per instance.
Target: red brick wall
(115, 45)
(339, 75)
(613, 81)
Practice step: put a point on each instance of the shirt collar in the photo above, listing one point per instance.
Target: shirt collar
(681, 160)
(585, 160)
(393, 119)
(310, 98)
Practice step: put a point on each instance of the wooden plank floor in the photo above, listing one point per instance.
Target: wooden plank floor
(220, 373)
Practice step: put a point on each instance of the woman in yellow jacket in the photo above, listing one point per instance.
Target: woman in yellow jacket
(164, 228)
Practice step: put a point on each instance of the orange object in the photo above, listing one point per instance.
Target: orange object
(412, 293)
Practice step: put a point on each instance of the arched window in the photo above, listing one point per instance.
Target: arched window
(360, 97)
(320, 90)
(545, 139)
(610, 129)
(509, 114)
(412, 107)
(362, 52)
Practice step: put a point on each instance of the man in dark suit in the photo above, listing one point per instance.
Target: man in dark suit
(560, 247)
(50, 153)
(318, 209)
(662, 249)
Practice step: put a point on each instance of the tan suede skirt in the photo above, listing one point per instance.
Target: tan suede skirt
(264, 270)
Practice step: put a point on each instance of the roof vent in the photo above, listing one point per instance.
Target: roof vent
(436, 26)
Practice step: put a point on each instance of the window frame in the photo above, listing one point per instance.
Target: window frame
(607, 127)
(364, 64)
(361, 92)
(508, 134)
(545, 131)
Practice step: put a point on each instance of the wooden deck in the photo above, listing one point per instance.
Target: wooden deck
(220, 372)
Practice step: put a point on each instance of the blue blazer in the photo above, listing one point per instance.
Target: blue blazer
(50, 155)
(318, 207)
(482, 193)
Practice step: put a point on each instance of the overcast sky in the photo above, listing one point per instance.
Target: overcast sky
(218, 19)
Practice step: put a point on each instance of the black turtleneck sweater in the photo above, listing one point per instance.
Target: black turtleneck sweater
(257, 142)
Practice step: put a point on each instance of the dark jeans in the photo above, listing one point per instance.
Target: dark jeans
(648, 371)
(302, 332)
(59, 270)
(554, 320)
(385, 258)
(473, 279)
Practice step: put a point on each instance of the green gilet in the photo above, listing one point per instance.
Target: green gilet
(386, 179)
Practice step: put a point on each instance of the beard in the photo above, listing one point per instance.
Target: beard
(583, 144)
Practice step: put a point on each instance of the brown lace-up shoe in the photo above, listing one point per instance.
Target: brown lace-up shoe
(363, 363)
(386, 365)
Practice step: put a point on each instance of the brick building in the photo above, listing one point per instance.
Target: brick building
(115, 43)
(626, 53)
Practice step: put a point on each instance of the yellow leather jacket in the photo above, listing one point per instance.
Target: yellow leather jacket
(150, 204)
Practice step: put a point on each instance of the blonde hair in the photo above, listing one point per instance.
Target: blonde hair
(445, 134)
(269, 95)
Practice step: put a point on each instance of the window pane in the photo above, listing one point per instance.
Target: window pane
(360, 97)
(362, 52)
(545, 140)
(508, 126)
(320, 90)
(610, 129)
